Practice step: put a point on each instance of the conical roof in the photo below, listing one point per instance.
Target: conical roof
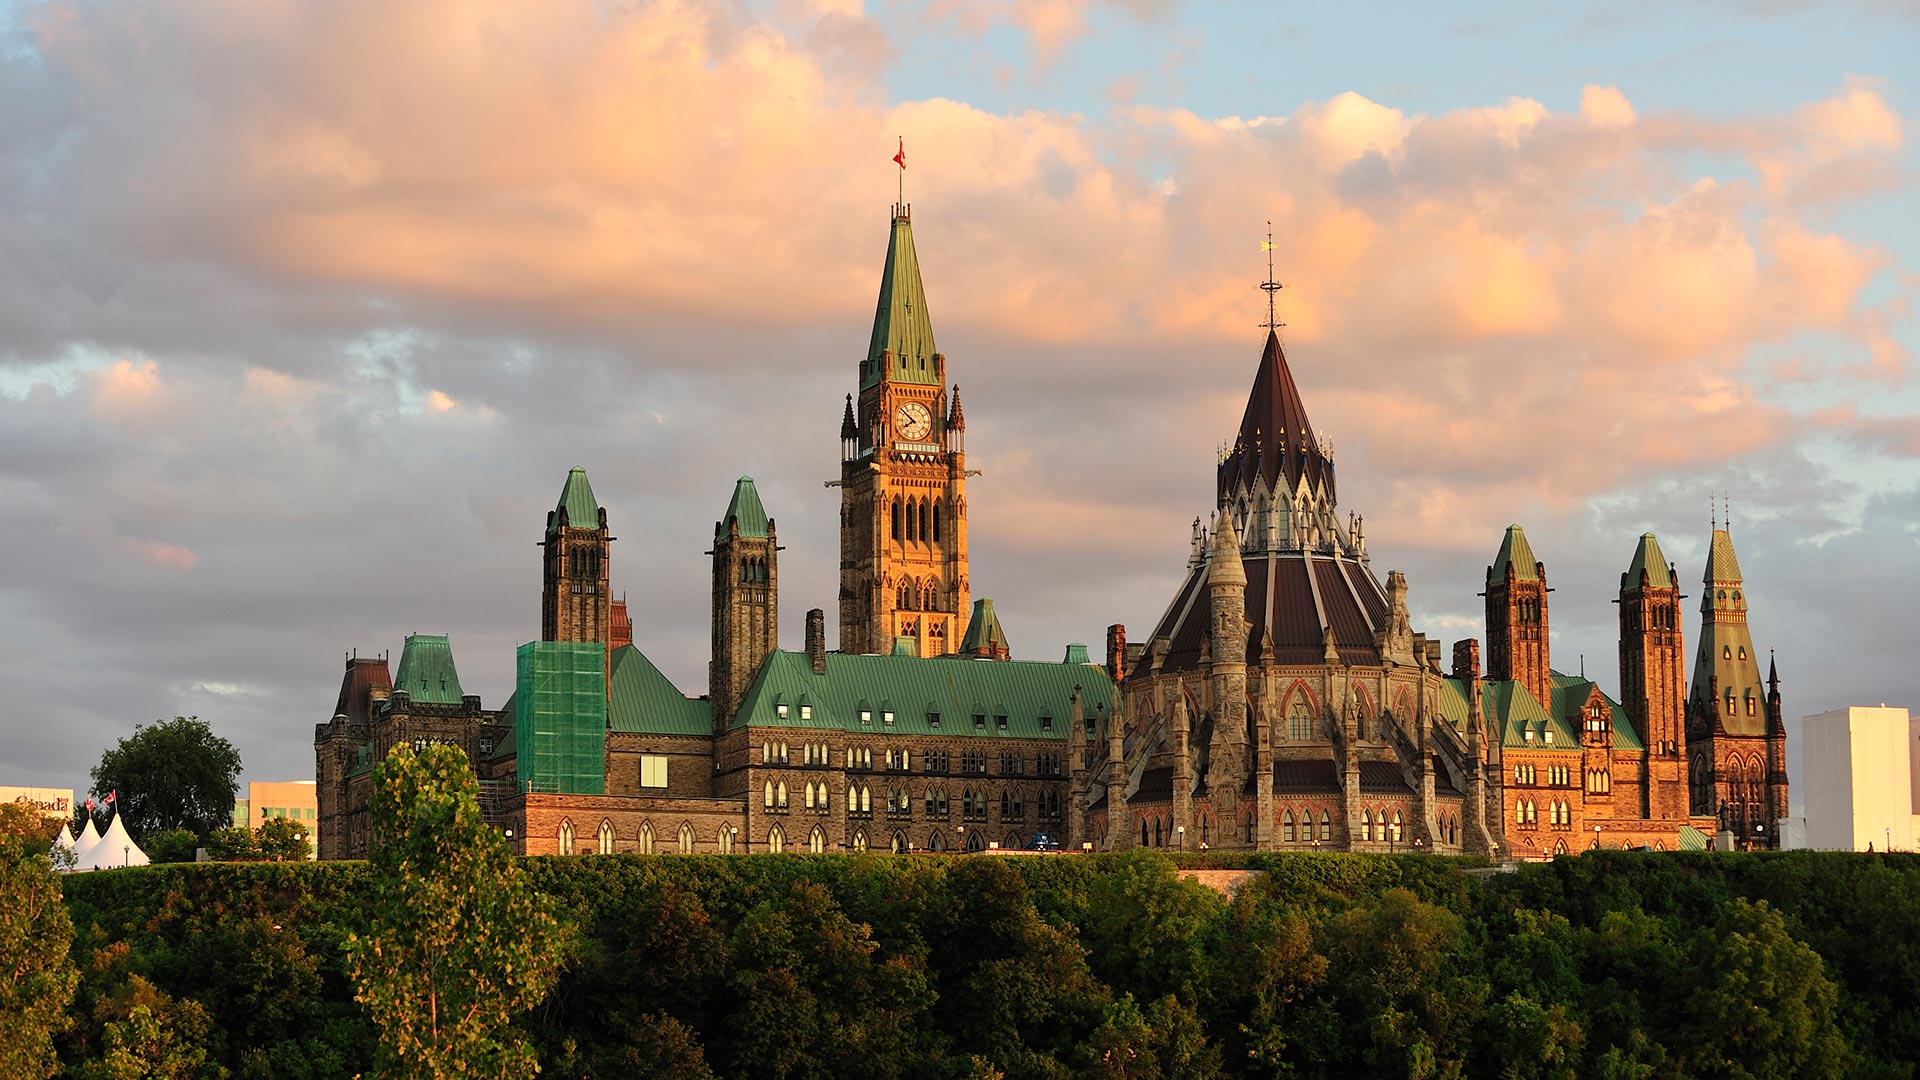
(89, 836)
(902, 330)
(426, 670)
(1514, 550)
(114, 848)
(582, 509)
(984, 635)
(1647, 556)
(745, 509)
(64, 839)
(1721, 565)
(1276, 439)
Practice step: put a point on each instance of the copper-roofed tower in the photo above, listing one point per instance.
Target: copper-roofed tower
(903, 507)
(576, 602)
(1735, 737)
(1653, 669)
(984, 639)
(1517, 642)
(746, 599)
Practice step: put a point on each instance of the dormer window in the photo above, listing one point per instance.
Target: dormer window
(780, 710)
(887, 717)
(866, 717)
(979, 721)
(1528, 735)
(806, 711)
(1548, 736)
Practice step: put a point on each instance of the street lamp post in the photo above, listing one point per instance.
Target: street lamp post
(1596, 837)
(1180, 837)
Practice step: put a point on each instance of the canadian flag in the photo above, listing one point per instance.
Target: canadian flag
(110, 797)
(89, 804)
(900, 158)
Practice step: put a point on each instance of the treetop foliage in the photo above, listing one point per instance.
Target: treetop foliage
(1612, 964)
(170, 774)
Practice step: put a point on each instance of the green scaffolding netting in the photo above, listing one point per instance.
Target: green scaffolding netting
(560, 717)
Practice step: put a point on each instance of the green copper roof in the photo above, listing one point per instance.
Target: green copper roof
(1648, 557)
(1034, 698)
(1721, 565)
(583, 510)
(983, 630)
(1692, 839)
(1570, 695)
(744, 508)
(426, 670)
(1509, 708)
(644, 701)
(1515, 550)
(901, 328)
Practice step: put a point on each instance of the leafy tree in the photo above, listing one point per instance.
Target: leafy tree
(282, 840)
(1761, 1006)
(37, 976)
(235, 843)
(147, 1033)
(459, 943)
(172, 845)
(171, 774)
(1404, 985)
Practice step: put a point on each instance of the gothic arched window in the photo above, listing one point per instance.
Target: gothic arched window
(686, 839)
(566, 838)
(895, 510)
(1299, 719)
(776, 839)
(817, 840)
(606, 838)
(646, 838)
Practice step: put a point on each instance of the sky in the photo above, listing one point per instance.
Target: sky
(306, 308)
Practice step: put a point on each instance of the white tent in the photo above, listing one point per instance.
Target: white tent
(65, 839)
(114, 848)
(89, 836)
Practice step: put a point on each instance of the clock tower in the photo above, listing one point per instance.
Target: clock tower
(903, 506)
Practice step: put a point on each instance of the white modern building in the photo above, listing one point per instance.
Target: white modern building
(1859, 769)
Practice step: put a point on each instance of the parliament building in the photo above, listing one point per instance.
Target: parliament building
(1283, 700)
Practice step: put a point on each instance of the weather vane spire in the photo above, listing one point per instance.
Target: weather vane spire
(900, 159)
(1270, 286)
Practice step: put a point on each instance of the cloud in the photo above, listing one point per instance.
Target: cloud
(333, 295)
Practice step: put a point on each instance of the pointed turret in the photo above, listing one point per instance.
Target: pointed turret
(956, 416)
(743, 510)
(746, 599)
(576, 596)
(577, 506)
(1224, 565)
(426, 670)
(1276, 446)
(1648, 560)
(1726, 671)
(984, 638)
(1517, 553)
(901, 347)
(849, 428)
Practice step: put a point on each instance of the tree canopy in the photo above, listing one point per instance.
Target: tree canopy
(459, 944)
(37, 976)
(171, 774)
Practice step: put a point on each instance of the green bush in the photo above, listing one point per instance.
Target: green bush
(1610, 964)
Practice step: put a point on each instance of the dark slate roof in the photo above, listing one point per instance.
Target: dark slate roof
(426, 670)
(1288, 594)
(1155, 785)
(1442, 782)
(1310, 776)
(1382, 777)
(1276, 440)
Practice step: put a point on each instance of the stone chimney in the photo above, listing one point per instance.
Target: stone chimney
(1466, 659)
(817, 640)
(1117, 651)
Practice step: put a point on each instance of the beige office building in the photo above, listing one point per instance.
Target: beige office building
(295, 799)
(1860, 767)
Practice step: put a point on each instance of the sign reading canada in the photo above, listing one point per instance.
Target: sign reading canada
(53, 802)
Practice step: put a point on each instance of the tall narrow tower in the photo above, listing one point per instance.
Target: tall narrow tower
(746, 599)
(1736, 741)
(1653, 675)
(903, 507)
(1517, 646)
(575, 601)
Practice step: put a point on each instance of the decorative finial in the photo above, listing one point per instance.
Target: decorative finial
(1270, 286)
(1713, 510)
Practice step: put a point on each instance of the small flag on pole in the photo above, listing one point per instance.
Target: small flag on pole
(900, 158)
(111, 795)
(89, 804)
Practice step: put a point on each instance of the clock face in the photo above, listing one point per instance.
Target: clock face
(913, 421)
